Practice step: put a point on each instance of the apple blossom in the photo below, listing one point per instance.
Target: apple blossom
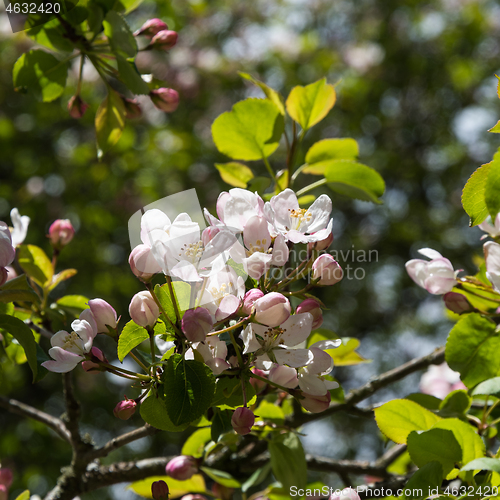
(457, 303)
(493, 230)
(249, 300)
(272, 309)
(104, 315)
(298, 224)
(327, 270)
(274, 343)
(143, 263)
(346, 494)
(242, 420)
(440, 380)
(196, 323)
(6, 476)
(492, 260)
(165, 99)
(315, 404)
(321, 245)
(311, 306)
(151, 27)
(20, 229)
(92, 365)
(436, 276)
(125, 409)
(7, 250)
(11, 273)
(284, 376)
(182, 468)
(214, 353)
(68, 349)
(143, 309)
(164, 40)
(77, 107)
(61, 232)
(159, 490)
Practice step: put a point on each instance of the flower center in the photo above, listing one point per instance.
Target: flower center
(73, 341)
(219, 293)
(298, 216)
(259, 246)
(272, 338)
(192, 252)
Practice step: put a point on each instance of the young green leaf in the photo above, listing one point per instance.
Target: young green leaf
(130, 76)
(397, 418)
(288, 460)
(427, 478)
(310, 104)
(221, 423)
(221, 477)
(329, 149)
(25, 495)
(270, 93)
(455, 404)
(41, 73)
(354, 180)
(177, 488)
(120, 37)
(472, 348)
(18, 290)
(490, 387)
(64, 275)
(484, 463)
(153, 412)
(51, 36)
(74, 304)
(234, 173)
(492, 189)
(496, 128)
(250, 131)
(473, 195)
(195, 443)
(109, 121)
(35, 264)
(256, 478)
(131, 336)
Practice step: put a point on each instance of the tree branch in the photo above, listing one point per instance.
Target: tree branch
(367, 390)
(24, 410)
(324, 464)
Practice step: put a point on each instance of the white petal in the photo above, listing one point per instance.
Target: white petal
(327, 344)
(430, 253)
(293, 357)
(296, 329)
(20, 224)
(320, 210)
(311, 384)
(249, 339)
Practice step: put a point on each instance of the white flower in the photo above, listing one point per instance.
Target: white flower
(213, 352)
(20, 228)
(488, 227)
(273, 344)
(436, 276)
(492, 258)
(297, 224)
(440, 380)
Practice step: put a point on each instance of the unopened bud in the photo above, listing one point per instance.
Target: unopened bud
(6, 477)
(92, 365)
(164, 40)
(132, 108)
(315, 404)
(182, 467)
(457, 303)
(196, 323)
(165, 99)
(242, 420)
(345, 494)
(104, 315)
(151, 27)
(284, 376)
(327, 269)
(249, 300)
(143, 309)
(61, 232)
(311, 306)
(159, 490)
(143, 263)
(125, 409)
(321, 245)
(77, 107)
(272, 309)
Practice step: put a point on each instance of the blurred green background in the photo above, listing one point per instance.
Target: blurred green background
(416, 88)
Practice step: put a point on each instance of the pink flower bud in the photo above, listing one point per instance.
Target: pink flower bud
(159, 490)
(327, 269)
(285, 376)
(4, 492)
(7, 251)
(315, 404)
(151, 27)
(257, 384)
(321, 245)
(182, 467)
(6, 477)
(311, 306)
(143, 309)
(196, 323)
(125, 409)
(164, 40)
(92, 365)
(457, 303)
(193, 497)
(104, 315)
(12, 273)
(272, 309)
(346, 494)
(165, 99)
(4, 274)
(132, 108)
(61, 232)
(142, 263)
(249, 299)
(242, 420)
(77, 107)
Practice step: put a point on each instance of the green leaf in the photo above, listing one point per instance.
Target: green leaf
(234, 173)
(221, 423)
(472, 445)
(425, 400)
(270, 93)
(455, 404)
(310, 104)
(110, 121)
(250, 131)
(496, 128)
(329, 149)
(288, 461)
(490, 387)
(177, 488)
(120, 37)
(188, 389)
(345, 354)
(269, 412)
(74, 304)
(18, 290)
(434, 445)
(397, 418)
(221, 477)
(354, 180)
(153, 412)
(484, 463)
(35, 264)
(230, 394)
(472, 349)
(427, 478)
(23, 334)
(195, 444)
(25, 495)
(64, 275)
(473, 195)
(131, 336)
(492, 188)
(39, 72)
(51, 36)
(256, 478)
(130, 76)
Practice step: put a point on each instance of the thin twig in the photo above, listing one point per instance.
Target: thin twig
(39, 329)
